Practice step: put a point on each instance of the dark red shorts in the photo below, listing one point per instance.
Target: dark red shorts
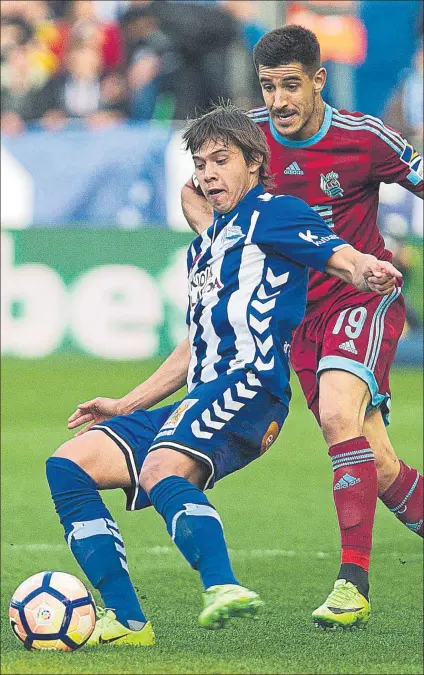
(359, 338)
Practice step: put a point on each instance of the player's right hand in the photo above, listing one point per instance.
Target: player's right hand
(95, 411)
(381, 276)
(197, 211)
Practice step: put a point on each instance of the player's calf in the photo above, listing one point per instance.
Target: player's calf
(404, 498)
(195, 527)
(90, 531)
(343, 399)
(355, 498)
(401, 487)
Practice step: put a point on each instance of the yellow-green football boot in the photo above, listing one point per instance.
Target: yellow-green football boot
(109, 630)
(345, 607)
(222, 603)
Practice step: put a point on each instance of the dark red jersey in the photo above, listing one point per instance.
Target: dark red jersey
(338, 173)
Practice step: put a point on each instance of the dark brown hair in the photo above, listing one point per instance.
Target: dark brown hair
(226, 123)
(287, 45)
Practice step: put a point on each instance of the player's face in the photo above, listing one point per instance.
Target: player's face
(223, 174)
(292, 98)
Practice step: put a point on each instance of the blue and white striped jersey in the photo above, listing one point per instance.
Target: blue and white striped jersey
(247, 277)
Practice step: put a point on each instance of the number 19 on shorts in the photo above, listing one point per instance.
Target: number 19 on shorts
(353, 321)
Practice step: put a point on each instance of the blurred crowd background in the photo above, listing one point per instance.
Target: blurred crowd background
(101, 62)
(94, 94)
(106, 61)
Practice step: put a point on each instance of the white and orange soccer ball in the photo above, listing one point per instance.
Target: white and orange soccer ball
(52, 610)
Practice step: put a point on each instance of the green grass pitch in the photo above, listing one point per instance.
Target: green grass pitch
(280, 526)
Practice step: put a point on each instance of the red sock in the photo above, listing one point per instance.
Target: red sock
(405, 498)
(355, 497)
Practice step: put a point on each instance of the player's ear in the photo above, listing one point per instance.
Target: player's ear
(320, 79)
(256, 162)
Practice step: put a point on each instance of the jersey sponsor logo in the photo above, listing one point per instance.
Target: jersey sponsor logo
(202, 283)
(311, 238)
(314, 239)
(293, 170)
(269, 436)
(330, 184)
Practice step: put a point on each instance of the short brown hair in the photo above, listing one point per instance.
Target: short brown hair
(225, 122)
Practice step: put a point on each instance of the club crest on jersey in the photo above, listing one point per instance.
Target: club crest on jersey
(330, 184)
(230, 235)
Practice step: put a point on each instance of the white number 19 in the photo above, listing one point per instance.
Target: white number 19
(355, 322)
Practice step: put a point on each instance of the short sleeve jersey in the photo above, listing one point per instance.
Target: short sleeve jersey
(338, 172)
(247, 277)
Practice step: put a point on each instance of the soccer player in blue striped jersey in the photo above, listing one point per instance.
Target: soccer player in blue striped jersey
(247, 278)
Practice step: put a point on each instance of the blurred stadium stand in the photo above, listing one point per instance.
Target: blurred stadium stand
(93, 94)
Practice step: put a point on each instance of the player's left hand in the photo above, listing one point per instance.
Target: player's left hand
(380, 276)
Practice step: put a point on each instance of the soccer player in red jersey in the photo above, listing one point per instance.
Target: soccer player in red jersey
(344, 348)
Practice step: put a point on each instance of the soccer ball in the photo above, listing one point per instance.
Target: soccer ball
(52, 610)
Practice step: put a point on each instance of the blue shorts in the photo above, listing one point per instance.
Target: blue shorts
(225, 423)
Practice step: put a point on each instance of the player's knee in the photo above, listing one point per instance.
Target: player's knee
(152, 472)
(69, 450)
(163, 463)
(80, 453)
(338, 424)
(158, 465)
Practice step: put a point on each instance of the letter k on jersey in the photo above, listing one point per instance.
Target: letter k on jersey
(309, 237)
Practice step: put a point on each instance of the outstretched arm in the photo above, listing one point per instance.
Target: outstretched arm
(363, 271)
(167, 379)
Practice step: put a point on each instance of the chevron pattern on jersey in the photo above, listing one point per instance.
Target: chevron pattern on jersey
(264, 303)
(221, 412)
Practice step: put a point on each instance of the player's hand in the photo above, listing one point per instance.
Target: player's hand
(381, 276)
(197, 211)
(93, 412)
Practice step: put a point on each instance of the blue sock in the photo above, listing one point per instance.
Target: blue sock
(195, 527)
(94, 538)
